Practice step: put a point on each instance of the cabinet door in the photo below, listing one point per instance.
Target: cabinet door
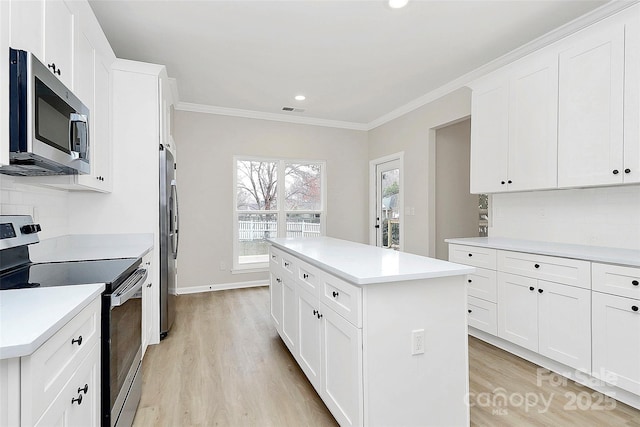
(58, 39)
(309, 327)
(632, 97)
(290, 315)
(616, 341)
(275, 291)
(590, 107)
(533, 123)
(518, 310)
(564, 324)
(489, 136)
(26, 18)
(78, 404)
(342, 368)
(148, 304)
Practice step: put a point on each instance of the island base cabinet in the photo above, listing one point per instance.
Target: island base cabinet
(403, 389)
(290, 315)
(310, 340)
(275, 291)
(616, 341)
(341, 368)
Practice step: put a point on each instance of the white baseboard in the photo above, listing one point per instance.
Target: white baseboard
(220, 287)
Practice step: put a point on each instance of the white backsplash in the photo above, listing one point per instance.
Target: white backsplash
(47, 206)
(607, 216)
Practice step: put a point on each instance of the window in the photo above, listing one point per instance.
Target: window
(265, 208)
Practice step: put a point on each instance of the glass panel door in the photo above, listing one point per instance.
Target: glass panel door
(388, 219)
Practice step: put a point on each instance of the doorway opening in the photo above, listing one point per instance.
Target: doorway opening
(386, 202)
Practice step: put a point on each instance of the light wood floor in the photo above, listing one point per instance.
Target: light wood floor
(223, 364)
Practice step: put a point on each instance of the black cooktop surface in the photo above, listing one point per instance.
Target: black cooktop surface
(108, 271)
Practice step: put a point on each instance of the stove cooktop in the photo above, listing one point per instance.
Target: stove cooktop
(108, 271)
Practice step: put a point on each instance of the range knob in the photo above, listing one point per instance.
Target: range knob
(30, 228)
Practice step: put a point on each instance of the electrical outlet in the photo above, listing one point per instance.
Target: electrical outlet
(417, 341)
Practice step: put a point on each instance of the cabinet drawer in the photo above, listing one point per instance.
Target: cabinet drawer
(288, 265)
(482, 284)
(560, 270)
(308, 277)
(84, 388)
(47, 370)
(274, 258)
(472, 255)
(342, 297)
(482, 315)
(616, 280)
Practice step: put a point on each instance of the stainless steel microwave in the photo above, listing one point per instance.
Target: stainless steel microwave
(48, 124)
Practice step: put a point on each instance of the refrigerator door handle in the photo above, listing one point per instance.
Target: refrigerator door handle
(174, 190)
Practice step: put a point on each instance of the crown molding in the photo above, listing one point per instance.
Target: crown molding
(552, 36)
(250, 114)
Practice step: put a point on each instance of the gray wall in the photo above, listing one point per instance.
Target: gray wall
(206, 145)
(456, 208)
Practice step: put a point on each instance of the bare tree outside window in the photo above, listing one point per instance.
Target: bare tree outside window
(259, 210)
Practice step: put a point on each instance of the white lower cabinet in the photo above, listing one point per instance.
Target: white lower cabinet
(482, 315)
(275, 291)
(149, 301)
(341, 367)
(616, 341)
(549, 318)
(310, 340)
(290, 315)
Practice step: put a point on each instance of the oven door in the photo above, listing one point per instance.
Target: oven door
(125, 337)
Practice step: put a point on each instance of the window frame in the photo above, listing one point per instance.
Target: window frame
(281, 210)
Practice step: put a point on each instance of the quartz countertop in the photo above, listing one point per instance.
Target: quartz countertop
(363, 264)
(78, 247)
(620, 256)
(29, 317)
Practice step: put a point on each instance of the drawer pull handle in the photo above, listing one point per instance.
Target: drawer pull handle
(531, 288)
(469, 311)
(79, 400)
(634, 307)
(149, 285)
(84, 389)
(634, 282)
(627, 170)
(616, 172)
(540, 291)
(536, 265)
(279, 280)
(335, 294)
(79, 341)
(315, 312)
(305, 276)
(469, 280)
(470, 254)
(319, 315)
(286, 264)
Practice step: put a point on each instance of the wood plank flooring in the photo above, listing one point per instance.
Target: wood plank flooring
(223, 364)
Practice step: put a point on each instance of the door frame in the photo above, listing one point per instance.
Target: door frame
(373, 164)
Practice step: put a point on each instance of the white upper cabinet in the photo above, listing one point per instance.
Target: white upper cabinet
(58, 40)
(513, 127)
(590, 108)
(631, 164)
(26, 26)
(489, 135)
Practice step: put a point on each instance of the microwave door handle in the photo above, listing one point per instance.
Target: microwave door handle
(129, 288)
(78, 121)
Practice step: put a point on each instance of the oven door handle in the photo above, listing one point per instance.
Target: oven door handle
(129, 288)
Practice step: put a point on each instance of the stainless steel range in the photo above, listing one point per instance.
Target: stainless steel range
(121, 309)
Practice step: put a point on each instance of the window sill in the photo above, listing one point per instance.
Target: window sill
(236, 270)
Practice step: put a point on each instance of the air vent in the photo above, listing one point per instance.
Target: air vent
(292, 109)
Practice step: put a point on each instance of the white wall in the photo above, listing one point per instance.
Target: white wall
(47, 206)
(414, 133)
(608, 216)
(206, 146)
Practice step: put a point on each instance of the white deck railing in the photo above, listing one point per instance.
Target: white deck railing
(258, 230)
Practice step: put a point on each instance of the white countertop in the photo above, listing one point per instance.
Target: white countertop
(363, 264)
(620, 256)
(77, 247)
(29, 317)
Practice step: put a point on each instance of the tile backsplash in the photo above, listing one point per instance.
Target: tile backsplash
(48, 207)
(608, 216)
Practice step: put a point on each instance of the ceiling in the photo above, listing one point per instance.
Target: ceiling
(356, 61)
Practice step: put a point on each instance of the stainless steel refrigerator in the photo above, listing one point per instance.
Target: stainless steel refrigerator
(169, 239)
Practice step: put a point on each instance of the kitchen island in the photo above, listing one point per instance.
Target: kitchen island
(381, 335)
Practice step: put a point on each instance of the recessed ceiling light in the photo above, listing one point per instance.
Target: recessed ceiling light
(397, 4)
(300, 97)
